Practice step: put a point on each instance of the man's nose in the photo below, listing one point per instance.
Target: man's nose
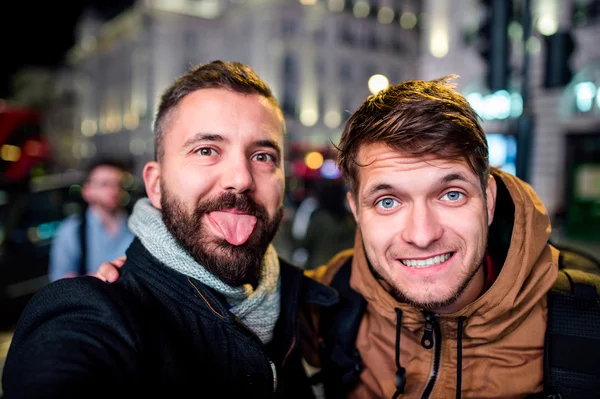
(113, 187)
(238, 176)
(422, 226)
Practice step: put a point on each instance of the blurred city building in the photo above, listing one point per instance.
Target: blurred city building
(318, 57)
(50, 93)
(531, 68)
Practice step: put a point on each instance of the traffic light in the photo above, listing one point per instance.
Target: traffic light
(493, 42)
(559, 48)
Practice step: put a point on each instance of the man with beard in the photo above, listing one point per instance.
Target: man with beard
(204, 303)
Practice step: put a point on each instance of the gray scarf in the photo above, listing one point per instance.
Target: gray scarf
(257, 308)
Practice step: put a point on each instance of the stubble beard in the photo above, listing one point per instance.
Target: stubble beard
(467, 276)
(235, 265)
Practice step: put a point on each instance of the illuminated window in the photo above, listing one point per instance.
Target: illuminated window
(503, 151)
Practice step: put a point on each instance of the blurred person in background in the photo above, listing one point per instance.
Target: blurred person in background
(304, 210)
(331, 226)
(100, 232)
(204, 303)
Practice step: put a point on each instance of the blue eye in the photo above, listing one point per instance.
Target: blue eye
(453, 196)
(387, 203)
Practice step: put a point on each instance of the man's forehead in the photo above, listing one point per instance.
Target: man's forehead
(213, 98)
(104, 170)
(380, 159)
(377, 152)
(201, 115)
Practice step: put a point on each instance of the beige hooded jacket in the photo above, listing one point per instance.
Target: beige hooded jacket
(502, 340)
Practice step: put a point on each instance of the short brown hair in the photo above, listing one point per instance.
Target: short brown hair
(420, 118)
(218, 74)
(115, 163)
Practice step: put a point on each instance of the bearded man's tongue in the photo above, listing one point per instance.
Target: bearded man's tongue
(236, 228)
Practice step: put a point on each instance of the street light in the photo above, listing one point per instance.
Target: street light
(377, 83)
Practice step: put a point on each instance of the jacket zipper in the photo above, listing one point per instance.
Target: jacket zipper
(273, 374)
(432, 337)
(272, 366)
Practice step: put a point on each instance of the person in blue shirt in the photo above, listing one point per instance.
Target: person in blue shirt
(105, 233)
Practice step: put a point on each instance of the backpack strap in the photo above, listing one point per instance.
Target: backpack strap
(338, 329)
(574, 258)
(572, 347)
(82, 271)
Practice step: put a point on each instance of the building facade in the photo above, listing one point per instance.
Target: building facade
(563, 154)
(317, 56)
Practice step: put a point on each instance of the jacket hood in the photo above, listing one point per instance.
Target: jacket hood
(517, 240)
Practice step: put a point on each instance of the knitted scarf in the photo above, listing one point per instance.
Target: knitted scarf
(257, 308)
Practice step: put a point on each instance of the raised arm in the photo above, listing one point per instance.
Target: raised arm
(72, 340)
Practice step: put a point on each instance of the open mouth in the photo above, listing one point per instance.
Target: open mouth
(422, 263)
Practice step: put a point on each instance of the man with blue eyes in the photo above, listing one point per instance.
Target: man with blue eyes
(203, 301)
(445, 292)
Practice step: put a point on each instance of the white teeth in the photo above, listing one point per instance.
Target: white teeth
(421, 263)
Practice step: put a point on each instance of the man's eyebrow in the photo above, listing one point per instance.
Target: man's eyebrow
(376, 188)
(203, 137)
(456, 176)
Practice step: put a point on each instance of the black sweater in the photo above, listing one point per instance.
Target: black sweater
(154, 332)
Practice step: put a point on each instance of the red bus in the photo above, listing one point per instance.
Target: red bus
(22, 144)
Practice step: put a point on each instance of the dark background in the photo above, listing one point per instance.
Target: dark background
(39, 33)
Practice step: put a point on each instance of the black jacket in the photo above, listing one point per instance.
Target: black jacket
(154, 332)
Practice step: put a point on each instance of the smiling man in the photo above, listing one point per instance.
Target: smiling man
(451, 266)
(203, 304)
(438, 214)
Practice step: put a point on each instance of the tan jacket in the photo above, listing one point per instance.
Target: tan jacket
(503, 330)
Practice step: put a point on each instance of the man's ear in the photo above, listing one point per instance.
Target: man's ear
(491, 198)
(353, 205)
(151, 176)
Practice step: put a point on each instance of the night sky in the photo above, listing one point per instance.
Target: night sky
(40, 32)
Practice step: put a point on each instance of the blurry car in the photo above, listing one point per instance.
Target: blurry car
(30, 214)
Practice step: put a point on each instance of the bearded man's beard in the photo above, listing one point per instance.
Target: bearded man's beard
(235, 265)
